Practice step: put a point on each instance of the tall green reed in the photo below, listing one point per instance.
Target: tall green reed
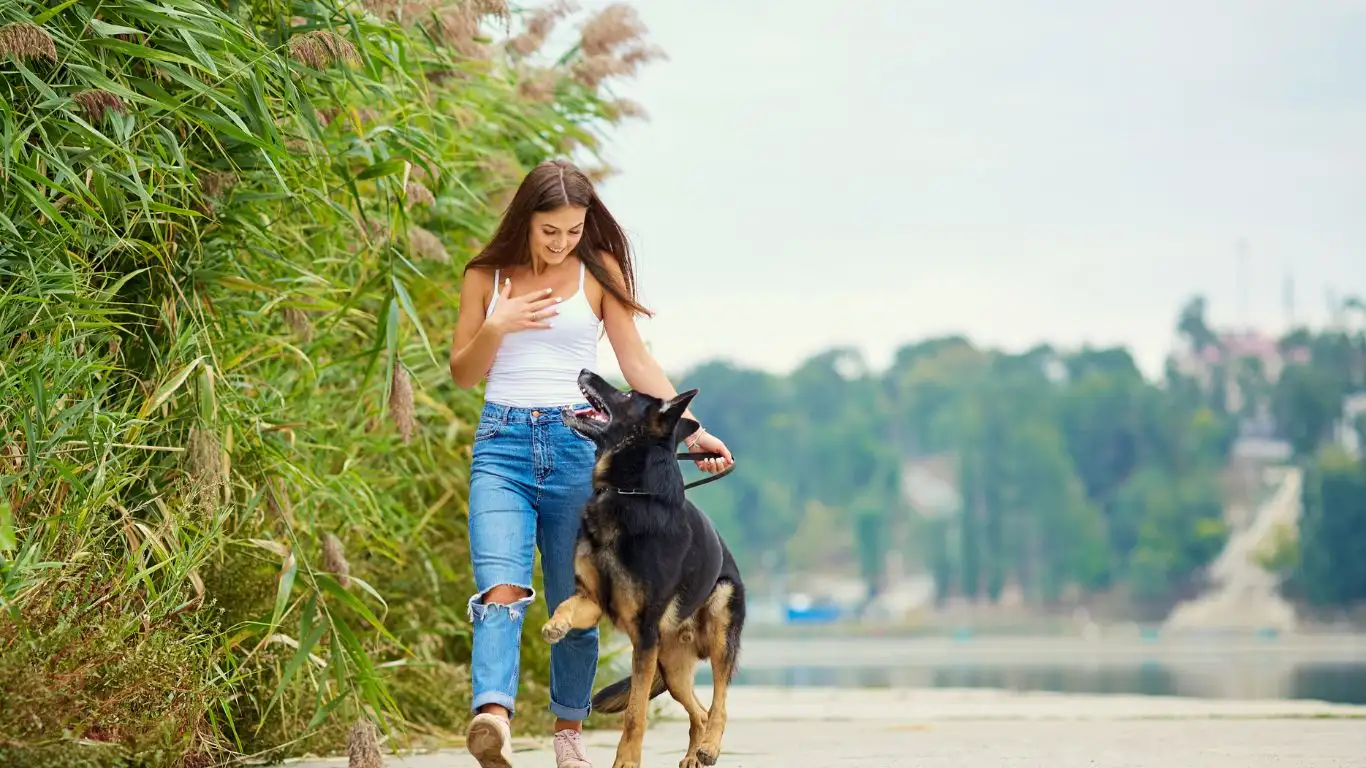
(232, 467)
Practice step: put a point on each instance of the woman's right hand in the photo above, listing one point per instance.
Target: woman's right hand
(528, 311)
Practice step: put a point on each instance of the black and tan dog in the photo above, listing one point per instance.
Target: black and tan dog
(652, 562)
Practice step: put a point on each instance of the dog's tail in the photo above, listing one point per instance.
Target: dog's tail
(613, 697)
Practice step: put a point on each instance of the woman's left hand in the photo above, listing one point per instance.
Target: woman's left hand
(709, 443)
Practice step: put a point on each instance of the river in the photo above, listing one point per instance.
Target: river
(1321, 667)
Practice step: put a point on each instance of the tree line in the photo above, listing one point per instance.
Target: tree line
(1069, 474)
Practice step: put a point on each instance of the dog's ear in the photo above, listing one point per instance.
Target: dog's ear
(671, 411)
(684, 429)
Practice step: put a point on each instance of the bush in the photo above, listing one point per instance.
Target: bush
(1329, 570)
(232, 469)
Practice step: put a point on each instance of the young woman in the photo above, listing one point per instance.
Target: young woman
(531, 305)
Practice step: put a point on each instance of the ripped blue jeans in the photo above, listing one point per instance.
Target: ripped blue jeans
(529, 479)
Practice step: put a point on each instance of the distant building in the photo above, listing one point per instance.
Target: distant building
(1345, 431)
(1234, 346)
(1232, 351)
(929, 484)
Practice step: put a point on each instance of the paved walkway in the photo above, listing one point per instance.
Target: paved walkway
(777, 728)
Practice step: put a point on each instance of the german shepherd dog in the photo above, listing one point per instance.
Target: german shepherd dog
(652, 562)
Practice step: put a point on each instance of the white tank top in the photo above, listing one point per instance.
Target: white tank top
(539, 367)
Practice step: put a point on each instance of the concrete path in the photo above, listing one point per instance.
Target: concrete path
(787, 728)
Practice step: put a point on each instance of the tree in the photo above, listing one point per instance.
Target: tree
(1331, 569)
(1306, 402)
(1102, 422)
(1177, 524)
(1192, 325)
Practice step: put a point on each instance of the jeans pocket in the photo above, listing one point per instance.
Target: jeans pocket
(577, 434)
(487, 428)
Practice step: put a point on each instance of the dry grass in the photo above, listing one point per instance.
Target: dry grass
(22, 40)
(321, 48)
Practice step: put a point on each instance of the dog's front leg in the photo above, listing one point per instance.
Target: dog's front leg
(578, 612)
(644, 660)
(581, 610)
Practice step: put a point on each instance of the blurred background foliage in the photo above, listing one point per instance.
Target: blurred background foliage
(1064, 476)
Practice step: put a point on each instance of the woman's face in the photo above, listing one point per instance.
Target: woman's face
(555, 233)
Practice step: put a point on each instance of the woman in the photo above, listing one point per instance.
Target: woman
(558, 267)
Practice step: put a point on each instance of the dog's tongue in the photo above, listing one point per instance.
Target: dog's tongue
(591, 413)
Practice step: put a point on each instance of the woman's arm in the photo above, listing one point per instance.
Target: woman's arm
(475, 342)
(643, 373)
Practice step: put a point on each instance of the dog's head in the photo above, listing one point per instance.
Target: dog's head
(630, 420)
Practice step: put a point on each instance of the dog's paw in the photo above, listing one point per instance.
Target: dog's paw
(708, 755)
(690, 761)
(625, 763)
(554, 631)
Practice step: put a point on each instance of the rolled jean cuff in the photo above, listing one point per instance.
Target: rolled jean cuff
(570, 713)
(493, 697)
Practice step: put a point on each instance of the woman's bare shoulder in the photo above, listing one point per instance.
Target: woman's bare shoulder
(480, 280)
(609, 260)
(611, 265)
(479, 274)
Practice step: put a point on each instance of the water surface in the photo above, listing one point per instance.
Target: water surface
(1329, 668)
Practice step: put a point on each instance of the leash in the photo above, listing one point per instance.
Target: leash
(696, 455)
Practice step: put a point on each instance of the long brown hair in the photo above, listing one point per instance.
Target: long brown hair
(551, 185)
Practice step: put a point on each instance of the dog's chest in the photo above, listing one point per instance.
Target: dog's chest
(618, 553)
(612, 570)
(619, 589)
(619, 592)
(599, 527)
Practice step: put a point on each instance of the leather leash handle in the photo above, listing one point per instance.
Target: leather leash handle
(696, 455)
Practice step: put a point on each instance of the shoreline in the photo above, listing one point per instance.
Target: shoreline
(824, 704)
(832, 650)
(1061, 627)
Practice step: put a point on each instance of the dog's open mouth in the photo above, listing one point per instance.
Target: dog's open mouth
(598, 409)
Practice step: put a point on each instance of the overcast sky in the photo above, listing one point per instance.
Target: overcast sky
(872, 172)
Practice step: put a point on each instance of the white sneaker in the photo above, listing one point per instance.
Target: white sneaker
(489, 739)
(569, 752)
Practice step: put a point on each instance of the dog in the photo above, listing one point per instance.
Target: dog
(652, 562)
